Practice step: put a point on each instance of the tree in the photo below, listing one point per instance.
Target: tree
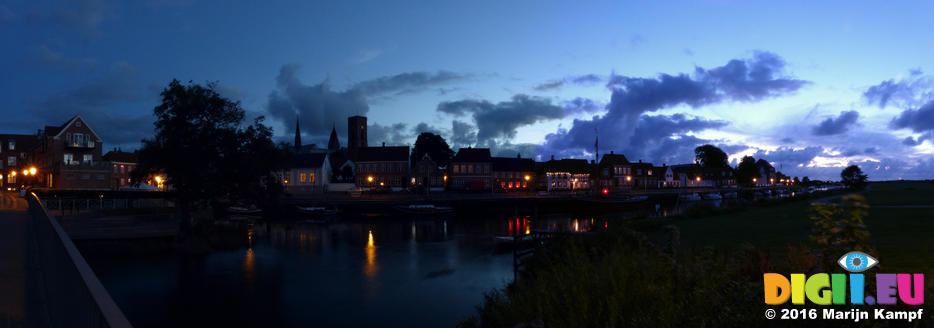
(747, 170)
(853, 177)
(796, 181)
(207, 155)
(711, 157)
(433, 145)
(806, 181)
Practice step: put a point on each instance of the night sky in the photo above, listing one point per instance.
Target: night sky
(809, 86)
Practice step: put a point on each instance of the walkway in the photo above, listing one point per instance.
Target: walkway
(13, 219)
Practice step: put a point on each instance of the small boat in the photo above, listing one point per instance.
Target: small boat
(424, 209)
(767, 192)
(316, 210)
(690, 196)
(244, 210)
(712, 196)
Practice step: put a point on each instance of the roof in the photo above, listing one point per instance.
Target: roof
(333, 142)
(382, 154)
(472, 155)
(567, 165)
(58, 130)
(613, 159)
(23, 142)
(309, 160)
(513, 164)
(121, 156)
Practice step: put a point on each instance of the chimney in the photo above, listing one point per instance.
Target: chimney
(384, 144)
(611, 152)
(519, 155)
(640, 161)
(552, 157)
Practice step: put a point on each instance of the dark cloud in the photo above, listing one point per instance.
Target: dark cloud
(911, 141)
(407, 82)
(500, 120)
(747, 80)
(425, 127)
(787, 140)
(550, 85)
(320, 107)
(906, 92)
(582, 80)
(462, 134)
(918, 120)
(581, 106)
(392, 135)
(832, 126)
(587, 80)
(870, 150)
(785, 158)
(116, 105)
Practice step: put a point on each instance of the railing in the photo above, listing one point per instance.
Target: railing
(71, 293)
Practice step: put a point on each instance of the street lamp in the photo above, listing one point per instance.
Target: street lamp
(32, 171)
(527, 177)
(369, 178)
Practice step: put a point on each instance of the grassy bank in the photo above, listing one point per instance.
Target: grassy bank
(624, 277)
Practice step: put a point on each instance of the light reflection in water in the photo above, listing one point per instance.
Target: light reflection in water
(371, 268)
(249, 270)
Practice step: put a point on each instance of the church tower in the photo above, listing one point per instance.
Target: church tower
(333, 143)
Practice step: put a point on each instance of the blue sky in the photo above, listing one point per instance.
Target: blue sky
(810, 87)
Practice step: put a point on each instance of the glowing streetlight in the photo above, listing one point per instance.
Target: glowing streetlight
(527, 177)
(25, 172)
(369, 178)
(755, 180)
(628, 178)
(32, 171)
(13, 173)
(698, 179)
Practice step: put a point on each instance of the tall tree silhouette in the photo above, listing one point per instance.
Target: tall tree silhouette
(711, 157)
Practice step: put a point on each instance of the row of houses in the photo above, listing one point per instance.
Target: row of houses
(69, 156)
(66, 156)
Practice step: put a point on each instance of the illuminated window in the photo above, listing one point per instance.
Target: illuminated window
(302, 177)
(311, 178)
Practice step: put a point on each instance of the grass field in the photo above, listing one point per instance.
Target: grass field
(902, 236)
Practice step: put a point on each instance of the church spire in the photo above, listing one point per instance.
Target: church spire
(334, 144)
(298, 135)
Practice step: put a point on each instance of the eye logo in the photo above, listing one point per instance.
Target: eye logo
(857, 261)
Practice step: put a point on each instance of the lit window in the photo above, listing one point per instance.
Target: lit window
(302, 178)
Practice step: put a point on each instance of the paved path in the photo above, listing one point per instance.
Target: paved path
(13, 219)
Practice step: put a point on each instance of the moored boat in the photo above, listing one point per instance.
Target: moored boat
(316, 210)
(244, 210)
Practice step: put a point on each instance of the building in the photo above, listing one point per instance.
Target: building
(16, 161)
(513, 173)
(470, 170)
(356, 133)
(644, 176)
(614, 172)
(766, 175)
(567, 174)
(382, 167)
(122, 164)
(691, 176)
(69, 156)
(427, 174)
(308, 174)
(720, 177)
(334, 144)
(668, 177)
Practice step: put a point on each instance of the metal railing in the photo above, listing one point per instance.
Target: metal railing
(70, 291)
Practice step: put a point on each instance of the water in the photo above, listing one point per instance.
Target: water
(378, 272)
(346, 273)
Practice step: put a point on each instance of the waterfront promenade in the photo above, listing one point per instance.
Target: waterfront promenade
(13, 224)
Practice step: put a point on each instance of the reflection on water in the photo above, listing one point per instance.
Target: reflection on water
(409, 272)
(371, 268)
